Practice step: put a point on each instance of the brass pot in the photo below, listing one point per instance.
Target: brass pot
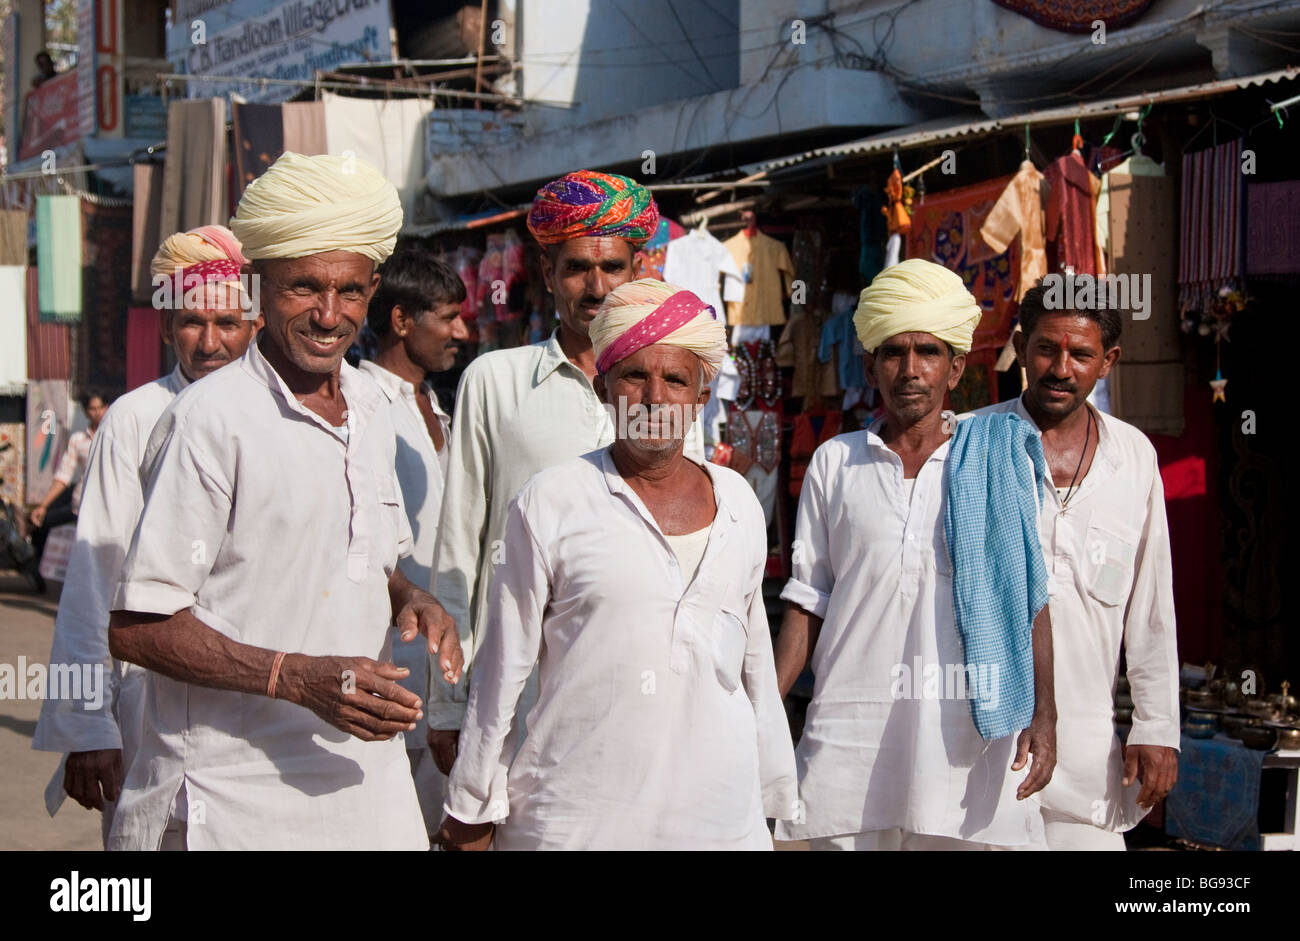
(1258, 736)
(1289, 738)
(1202, 699)
(1263, 709)
(1232, 724)
(1201, 724)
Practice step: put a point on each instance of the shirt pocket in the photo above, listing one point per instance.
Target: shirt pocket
(729, 640)
(1108, 557)
(392, 533)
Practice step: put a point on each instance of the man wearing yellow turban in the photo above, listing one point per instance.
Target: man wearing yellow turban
(522, 410)
(262, 578)
(890, 757)
(672, 733)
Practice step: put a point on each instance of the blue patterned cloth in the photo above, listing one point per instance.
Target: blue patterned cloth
(1216, 799)
(999, 580)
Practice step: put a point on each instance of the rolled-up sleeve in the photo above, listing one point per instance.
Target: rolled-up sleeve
(461, 527)
(811, 575)
(776, 767)
(476, 790)
(187, 505)
(1150, 638)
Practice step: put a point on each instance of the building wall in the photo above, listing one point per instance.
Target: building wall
(609, 57)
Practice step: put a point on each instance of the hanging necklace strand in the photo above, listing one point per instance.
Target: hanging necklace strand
(1087, 434)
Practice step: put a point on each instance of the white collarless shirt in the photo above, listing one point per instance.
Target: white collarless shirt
(270, 529)
(71, 471)
(421, 469)
(658, 723)
(1110, 578)
(111, 500)
(883, 749)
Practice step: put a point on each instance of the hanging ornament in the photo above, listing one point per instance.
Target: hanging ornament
(1218, 384)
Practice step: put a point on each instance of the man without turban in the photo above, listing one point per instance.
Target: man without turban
(894, 753)
(635, 574)
(521, 410)
(262, 579)
(100, 732)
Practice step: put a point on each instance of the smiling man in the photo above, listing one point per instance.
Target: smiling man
(262, 578)
(415, 315)
(635, 574)
(522, 410)
(1105, 539)
(205, 336)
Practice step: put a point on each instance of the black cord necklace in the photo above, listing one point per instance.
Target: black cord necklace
(1087, 434)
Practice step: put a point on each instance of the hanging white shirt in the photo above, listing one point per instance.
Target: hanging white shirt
(271, 530)
(881, 748)
(697, 261)
(72, 465)
(1110, 579)
(111, 501)
(518, 411)
(659, 724)
(420, 472)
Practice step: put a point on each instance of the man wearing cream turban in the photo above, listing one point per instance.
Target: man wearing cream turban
(522, 410)
(101, 739)
(890, 757)
(664, 731)
(262, 578)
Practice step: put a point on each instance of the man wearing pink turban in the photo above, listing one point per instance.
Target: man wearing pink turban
(212, 330)
(525, 409)
(664, 731)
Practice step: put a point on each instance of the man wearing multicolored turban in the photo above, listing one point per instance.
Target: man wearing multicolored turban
(910, 741)
(663, 735)
(262, 578)
(101, 739)
(522, 410)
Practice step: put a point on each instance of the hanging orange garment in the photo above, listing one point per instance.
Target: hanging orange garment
(896, 218)
(1019, 211)
(1071, 223)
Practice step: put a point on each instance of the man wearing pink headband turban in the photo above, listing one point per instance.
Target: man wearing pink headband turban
(665, 731)
(522, 410)
(205, 335)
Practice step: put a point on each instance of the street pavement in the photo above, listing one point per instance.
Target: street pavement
(26, 626)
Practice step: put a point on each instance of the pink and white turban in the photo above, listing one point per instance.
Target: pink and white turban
(642, 313)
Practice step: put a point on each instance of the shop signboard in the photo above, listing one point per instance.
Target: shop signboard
(291, 40)
(50, 116)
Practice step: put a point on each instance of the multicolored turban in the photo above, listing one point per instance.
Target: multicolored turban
(642, 313)
(586, 203)
(209, 253)
(917, 296)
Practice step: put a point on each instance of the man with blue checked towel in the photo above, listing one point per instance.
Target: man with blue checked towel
(918, 596)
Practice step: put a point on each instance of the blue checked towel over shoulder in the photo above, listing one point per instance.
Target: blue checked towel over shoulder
(999, 580)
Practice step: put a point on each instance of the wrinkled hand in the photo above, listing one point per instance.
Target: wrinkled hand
(443, 744)
(1156, 766)
(355, 694)
(425, 616)
(37, 516)
(88, 773)
(455, 836)
(1038, 740)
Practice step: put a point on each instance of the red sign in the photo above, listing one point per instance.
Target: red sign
(50, 116)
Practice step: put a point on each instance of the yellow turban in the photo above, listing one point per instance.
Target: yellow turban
(917, 296)
(307, 205)
(642, 313)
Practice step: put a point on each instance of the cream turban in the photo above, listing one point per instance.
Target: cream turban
(642, 313)
(307, 205)
(917, 296)
(204, 244)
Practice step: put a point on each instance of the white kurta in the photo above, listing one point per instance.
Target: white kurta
(876, 570)
(270, 529)
(72, 465)
(420, 472)
(1111, 586)
(658, 724)
(110, 508)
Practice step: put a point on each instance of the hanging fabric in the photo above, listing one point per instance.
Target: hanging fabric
(386, 133)
(13, 330)
(1019, 212)
(1071, 222)
(58, 257)
(13, 237)
(194, 176)
(1273, 233)
(258, 133)
(49, 345)
(143, 347)
(1211, 227)
(146, 220)
(303, 130)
